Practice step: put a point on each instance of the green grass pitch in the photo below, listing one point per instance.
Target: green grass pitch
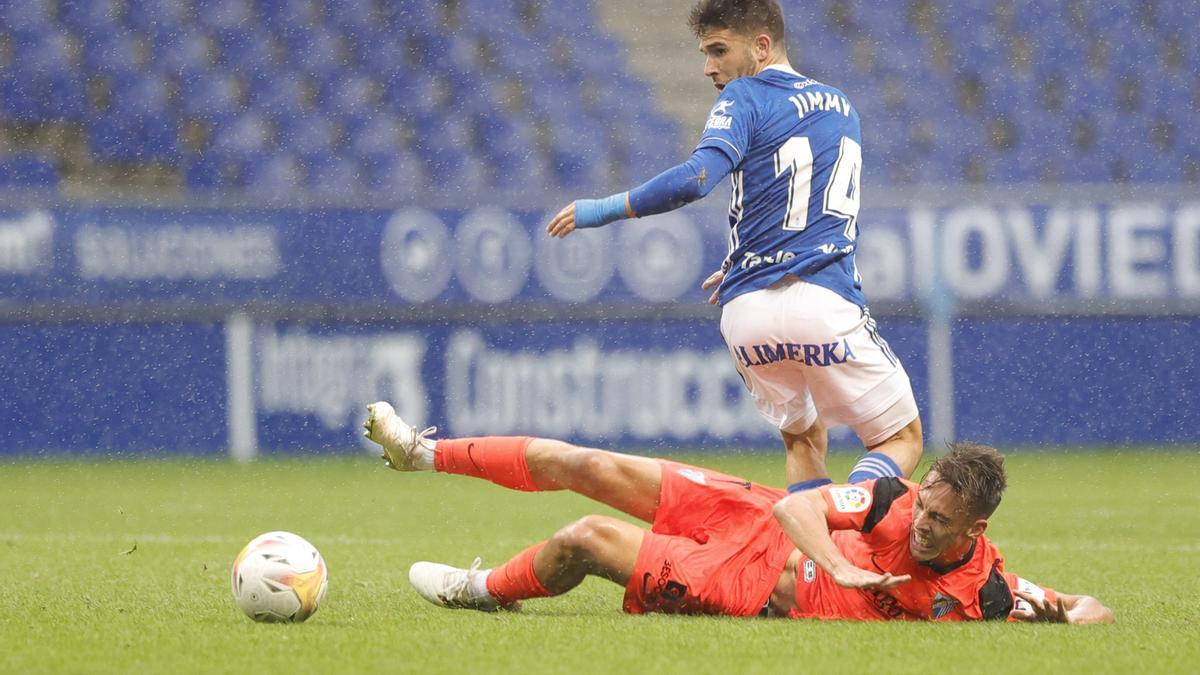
(122, 566)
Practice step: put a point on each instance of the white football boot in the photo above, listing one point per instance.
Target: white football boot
(454, 587)
(403, 445)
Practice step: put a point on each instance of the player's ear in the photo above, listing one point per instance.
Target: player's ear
(977, 528)
(762, 46)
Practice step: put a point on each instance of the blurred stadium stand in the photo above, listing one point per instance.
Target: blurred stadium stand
(347, 98)
(353, 99)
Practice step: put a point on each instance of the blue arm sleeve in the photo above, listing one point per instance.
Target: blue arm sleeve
(667, 191)
(681, 184)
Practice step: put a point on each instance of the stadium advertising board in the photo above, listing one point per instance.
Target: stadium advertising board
(248, 370)
(637, 385)
(1049, 254)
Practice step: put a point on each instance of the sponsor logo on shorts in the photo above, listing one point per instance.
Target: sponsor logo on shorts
(693, 475)
(851, 499)
(662, 594)
(820, 355)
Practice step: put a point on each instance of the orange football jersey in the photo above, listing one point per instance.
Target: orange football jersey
(870, 524)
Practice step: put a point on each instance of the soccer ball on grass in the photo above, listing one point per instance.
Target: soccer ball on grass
(278, 577)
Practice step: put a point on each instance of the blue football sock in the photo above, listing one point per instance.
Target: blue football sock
(809, 484)
(874, 465)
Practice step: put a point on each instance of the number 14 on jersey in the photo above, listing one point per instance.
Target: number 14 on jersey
(841, 194)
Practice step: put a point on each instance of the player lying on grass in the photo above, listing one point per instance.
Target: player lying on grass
(881, 549)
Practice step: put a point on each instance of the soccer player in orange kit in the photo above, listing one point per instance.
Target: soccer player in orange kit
(881, 549)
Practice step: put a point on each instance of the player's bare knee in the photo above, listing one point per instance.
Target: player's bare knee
(586, 539)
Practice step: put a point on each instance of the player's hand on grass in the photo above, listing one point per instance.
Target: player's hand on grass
(855, 577)
(563, 223)
(713, 281)
(1041, 610)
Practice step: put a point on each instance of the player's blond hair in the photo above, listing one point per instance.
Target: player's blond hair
(974, 472)
(747, 17)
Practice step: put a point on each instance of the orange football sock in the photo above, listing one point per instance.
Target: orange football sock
(500, 459)
(515, 580)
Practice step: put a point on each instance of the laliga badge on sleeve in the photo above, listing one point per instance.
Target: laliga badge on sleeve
(850, 499)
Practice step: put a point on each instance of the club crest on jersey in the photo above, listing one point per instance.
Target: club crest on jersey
(942, 605)
(850, 499)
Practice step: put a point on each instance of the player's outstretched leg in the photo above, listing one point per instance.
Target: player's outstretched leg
(624, 482)
(594, 545)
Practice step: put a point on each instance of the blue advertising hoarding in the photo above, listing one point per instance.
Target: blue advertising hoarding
(84, 378)
(1050, 254)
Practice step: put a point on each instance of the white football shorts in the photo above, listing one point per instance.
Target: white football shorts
(806, 352)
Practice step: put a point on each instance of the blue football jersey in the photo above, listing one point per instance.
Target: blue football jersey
(796, 148)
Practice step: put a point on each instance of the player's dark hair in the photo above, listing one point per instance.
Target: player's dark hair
(747, 17)
(975, 473)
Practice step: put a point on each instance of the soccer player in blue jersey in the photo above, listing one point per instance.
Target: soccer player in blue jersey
(793, 311)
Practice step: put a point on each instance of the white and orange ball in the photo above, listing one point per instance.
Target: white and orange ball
(279, 577)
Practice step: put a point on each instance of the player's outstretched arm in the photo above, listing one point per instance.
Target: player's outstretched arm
(804, 517)
(1074, 609)
(667, 191)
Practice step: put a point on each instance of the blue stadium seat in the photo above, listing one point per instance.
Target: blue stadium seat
(246, 50)
(316, 51)
(63, 97)
(451, 171)
(208, 173)
(209, 94)
(240, 139)
(382, 53)
(20, 101)
(186, 50)
(156, 18)
(26, 15)
(288, 14)
(274, 179)
(351, 16)
(113, 52)
(43, 52)
(399, 177)
(90, 16)
(28, 170)
(220, 14)
(141, 95)
(283, 95)
(131, 140)
(413, 17)
(375, 137)
(309, 136)
(335, 178)
(353, 95)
